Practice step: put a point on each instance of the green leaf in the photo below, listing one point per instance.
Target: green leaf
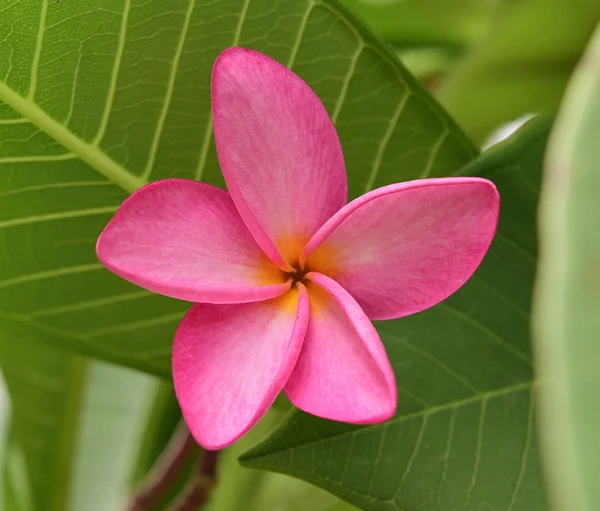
(97, 99)
(75, 431)
(463, 438)
(567, 305)
(522, 65)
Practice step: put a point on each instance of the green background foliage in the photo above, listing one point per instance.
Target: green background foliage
(567, 319)
(100, 97)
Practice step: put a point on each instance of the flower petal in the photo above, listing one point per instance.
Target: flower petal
(403, 248)
(186, 240)
(231, 361)
(278, 149)
(343, 372)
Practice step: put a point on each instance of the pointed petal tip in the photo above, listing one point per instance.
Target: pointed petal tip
(384, 415)
(343, 372)
(175, 237)
(268, 123)
(434, 232)
(231, 53)
(230, 362)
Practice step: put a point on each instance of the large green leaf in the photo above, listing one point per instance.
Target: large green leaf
(97, 98)
(567, 312)
(75, 432)
(522, 66)
(463, 438)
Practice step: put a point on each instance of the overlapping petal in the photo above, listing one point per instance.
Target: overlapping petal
(343, 372)
(278, 150)
(403, 248)
(231, 361)
(186, 240)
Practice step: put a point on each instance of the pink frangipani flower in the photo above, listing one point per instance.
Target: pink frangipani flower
(285, 274)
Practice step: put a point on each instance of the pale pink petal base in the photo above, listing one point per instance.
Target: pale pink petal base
(343, 372)
(403, 248)
(231, 361)
(278, 150)
(185, 239)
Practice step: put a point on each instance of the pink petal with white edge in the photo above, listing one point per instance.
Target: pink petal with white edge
(278, 149)
(231, 361)
(403, 248)
(343, 372)
(185, 239)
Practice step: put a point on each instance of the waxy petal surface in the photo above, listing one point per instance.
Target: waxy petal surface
(185, 239)
(343, 372)
(231, 361)
(403, 248)
(278, 150)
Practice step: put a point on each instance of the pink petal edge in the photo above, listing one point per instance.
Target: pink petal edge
(231, 361)
(403, 248)
(185, 239)
(343, 372)
(278, 150)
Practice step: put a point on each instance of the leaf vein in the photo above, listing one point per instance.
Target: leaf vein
(490, 334)
(57, 216)
(347, 80)
(51, 186)
(38, 51)
(434, 152)
(38, 159)
(413, 456)
(209, 123)
(169, 93)
(524, 456)
(477, 453)
(134, 325)
(90, 304)
(110, 97)
(447, 453)
(299, 35)
(384, 142)
(48, 274)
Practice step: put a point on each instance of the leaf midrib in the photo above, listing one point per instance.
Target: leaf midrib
(89, 153)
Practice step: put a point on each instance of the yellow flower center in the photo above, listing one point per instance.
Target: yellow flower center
(322, 260)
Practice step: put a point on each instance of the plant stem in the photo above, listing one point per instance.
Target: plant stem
(197, 492)
(165, 471)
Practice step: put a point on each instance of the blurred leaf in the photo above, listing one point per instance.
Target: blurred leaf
(160, 424)
(111, 422)
(425, 22)
(4, 432)
(567, 306)
(463, 438)
(427, 62)
(99, 97)
(46, 387)
(75, 430)
(522, 65)
(16, 492)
